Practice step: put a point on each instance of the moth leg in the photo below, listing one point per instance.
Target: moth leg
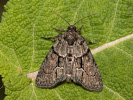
(79, 29)
(59, 30)
(89, 42)
(51, 37)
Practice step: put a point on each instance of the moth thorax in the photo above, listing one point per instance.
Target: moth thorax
(71, 38)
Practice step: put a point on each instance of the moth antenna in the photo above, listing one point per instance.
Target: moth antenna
(83, 18)
(59, 15)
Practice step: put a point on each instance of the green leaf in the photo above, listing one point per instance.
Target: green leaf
(22, 50)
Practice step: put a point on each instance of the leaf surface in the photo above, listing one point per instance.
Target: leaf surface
(22, 50)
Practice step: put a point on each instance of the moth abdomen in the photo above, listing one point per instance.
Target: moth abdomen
(68, 78)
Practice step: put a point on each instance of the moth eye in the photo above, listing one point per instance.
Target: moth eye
(74, 28)
(69, 28)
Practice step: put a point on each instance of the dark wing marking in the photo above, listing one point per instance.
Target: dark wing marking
(51, 72)
(86, 72)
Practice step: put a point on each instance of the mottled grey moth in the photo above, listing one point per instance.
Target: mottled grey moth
(69, 59)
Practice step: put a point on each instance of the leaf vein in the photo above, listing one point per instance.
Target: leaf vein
(107, 45)
(113, 21)
(123, 51)
(34, 91)
(77, 10)
(58, 95)
(7, 59)
(33, 48)
(113, 92)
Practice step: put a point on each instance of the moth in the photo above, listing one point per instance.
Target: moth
(69, 59)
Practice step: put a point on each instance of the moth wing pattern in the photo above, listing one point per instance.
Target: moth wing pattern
(50, 74)
(85, 70)
(70, 59)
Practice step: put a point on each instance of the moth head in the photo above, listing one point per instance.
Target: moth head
(71, 28)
